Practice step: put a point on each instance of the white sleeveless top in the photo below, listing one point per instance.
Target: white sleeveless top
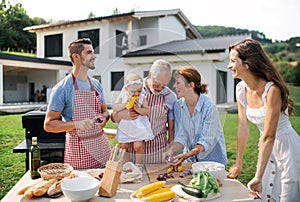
(258, 115)
(284, 164)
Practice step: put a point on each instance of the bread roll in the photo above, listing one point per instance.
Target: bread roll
(43, 187)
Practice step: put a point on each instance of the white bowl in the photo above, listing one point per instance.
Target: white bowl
(80, 188)
(215, 168)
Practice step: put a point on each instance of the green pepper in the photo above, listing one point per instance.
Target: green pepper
(191, 191)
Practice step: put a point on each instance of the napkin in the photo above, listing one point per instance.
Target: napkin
(131, 173)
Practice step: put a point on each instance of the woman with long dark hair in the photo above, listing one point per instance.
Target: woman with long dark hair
(263, 98)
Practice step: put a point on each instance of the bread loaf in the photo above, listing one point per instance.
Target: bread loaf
(24, 189)
(55, 188)
(29, 192)
(43, 187)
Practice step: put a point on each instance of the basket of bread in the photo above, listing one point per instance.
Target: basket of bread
(49, 185)
(56, 171)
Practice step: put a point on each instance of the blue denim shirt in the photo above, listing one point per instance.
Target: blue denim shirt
(203, 127)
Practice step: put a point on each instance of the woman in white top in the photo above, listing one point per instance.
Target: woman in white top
(139, 129)
(263, 98)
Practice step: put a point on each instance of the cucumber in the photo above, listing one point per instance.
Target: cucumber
(191, 191)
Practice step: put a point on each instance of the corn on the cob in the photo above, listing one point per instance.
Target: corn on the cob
(150, 188)
(164, 196)
(130, 103)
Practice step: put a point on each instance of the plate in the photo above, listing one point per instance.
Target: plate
(134, 199)
(177, 189)
(54, 195)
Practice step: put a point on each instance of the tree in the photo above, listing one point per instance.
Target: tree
(13, 19)
(215, 31)
(91, 15)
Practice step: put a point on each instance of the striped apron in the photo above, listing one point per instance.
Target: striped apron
(91, 148)
(158, 118)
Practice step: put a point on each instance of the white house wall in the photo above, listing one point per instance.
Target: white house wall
(171, 30)
(207, 64)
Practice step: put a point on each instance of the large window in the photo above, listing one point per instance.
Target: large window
(93, 34)
(117, 80)
(121, 42)
(53, 45)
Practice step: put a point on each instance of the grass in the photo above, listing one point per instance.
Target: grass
(13, 164)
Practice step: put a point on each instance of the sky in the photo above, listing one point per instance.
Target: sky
(277, 19)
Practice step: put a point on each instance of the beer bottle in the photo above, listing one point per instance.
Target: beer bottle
(34, 158)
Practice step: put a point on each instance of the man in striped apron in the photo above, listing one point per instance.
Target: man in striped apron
(80, 101)
(160, 100)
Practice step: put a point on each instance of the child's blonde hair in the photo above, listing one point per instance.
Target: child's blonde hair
(133, 78)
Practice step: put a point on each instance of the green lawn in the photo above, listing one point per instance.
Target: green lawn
(13, 164)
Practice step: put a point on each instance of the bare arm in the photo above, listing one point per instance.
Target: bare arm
(242, 139)
(118, 105)
(170, 131)
(144, 109)
(53, 123)
(270, 126)
(105, 114)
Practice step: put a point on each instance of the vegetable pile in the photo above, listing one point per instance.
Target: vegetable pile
(201, 185)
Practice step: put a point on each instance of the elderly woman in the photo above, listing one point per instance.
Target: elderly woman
(197, 125)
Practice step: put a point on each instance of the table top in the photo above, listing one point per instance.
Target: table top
(25, 145)
(232, 190)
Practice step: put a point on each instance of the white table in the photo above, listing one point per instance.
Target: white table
(232, 190)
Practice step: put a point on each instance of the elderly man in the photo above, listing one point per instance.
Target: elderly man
(160, 100)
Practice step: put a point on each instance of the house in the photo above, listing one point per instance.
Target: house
(21, 77)
(132, 41)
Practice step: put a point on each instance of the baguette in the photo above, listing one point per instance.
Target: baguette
(24, 189)
(42, 188)
(29, 192)
(55, 188)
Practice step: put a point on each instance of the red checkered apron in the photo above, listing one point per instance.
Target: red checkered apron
(158, 118)
(91, 148)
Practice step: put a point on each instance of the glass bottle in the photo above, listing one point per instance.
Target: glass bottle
(34, 158)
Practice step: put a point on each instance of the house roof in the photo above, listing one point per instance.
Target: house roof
(192, 31)
(192, 46)
(33, 59)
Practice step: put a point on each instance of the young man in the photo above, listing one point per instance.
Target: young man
(80, 101)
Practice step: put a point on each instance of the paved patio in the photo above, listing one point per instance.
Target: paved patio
(20, 108)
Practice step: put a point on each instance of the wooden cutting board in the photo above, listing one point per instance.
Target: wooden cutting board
(153, 170)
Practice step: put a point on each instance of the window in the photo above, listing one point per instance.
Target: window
(117, 80)
(53, 45)
(143, 40)
(221, 87)
(121, 43)
(93, 34)
(236, 81)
